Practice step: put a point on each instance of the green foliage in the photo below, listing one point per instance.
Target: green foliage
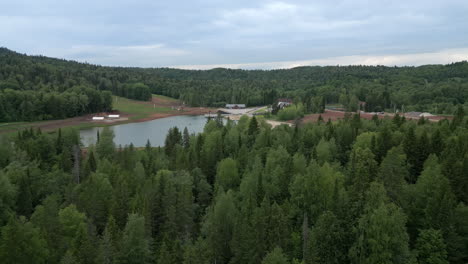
(432, 199)
(276, 256)
(32, 105)
(328, 238)
(381, 237)
(21, 243)
(71, 221)
(135, 245)
(291, 112)
(45, 88)
(430, 247)
(7, 198)
(227, 176)
(219, 226)
(339, 192)
(393, 172)
(105, 148)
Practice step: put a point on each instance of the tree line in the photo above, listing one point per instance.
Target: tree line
(351, 191)
(431, 88)
(31, 105)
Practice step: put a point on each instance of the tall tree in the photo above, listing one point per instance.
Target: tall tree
(135, 245)
(430, 247)
(327, 240)
(381, 237)
(105, 148)
(276, 256)
(227, 176)
(21, 243)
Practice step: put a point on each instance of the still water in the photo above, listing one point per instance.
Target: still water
(139, 133)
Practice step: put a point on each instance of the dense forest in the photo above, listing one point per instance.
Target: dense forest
(432, 88)
(352, 191)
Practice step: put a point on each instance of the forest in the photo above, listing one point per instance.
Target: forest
(351, 191)
(438, 89)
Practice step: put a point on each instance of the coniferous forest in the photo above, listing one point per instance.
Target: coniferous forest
(351, 191)
(41, 88)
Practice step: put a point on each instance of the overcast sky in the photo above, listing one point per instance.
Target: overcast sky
(238, 34)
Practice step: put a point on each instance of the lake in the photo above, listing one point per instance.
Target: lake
(139, 133)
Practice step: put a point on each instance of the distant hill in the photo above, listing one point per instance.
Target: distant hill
(431, 88)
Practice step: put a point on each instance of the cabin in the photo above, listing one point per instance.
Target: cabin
(98, 118)
(426, 114)
(235, 106)
(284, 102)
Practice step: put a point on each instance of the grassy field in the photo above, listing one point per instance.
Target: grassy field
(139, 109)
(136, 110)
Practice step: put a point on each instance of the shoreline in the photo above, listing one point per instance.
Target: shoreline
(83, 122)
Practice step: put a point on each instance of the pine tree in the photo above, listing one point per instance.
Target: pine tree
(186, 138)
(24, 199)
(393, 172)
(105, 148)
(430, 247)
(220, 225)
(276, 256)
(410, 146)
(458, 117)
(92, 162)
(21, 243)
(253, 127)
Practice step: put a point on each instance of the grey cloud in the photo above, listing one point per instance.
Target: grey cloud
(209, 32)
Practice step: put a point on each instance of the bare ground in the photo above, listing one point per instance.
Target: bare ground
(176, 105)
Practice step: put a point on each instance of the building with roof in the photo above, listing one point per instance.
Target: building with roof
(235, 106)
(284, 102)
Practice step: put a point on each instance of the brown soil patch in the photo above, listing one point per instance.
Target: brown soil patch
(176, 105)
(334, 115)
(328, 114)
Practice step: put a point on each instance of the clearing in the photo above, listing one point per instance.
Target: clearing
(129, 110)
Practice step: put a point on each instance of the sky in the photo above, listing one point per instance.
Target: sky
(248, 34)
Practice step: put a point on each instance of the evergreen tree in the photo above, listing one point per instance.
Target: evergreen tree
(21, 243)
(105, 148)
(393, 172)
(253, 127)
(219, 227)
(327, 240)
(186, 138)
(430, 247)
(24, 197)
(276, 256)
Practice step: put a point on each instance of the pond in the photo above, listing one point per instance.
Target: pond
(139, 133)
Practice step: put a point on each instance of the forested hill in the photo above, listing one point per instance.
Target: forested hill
(432, 88)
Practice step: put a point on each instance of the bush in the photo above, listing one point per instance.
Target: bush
(292, 112)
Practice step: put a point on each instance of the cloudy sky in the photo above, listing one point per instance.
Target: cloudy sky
(247, 34)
